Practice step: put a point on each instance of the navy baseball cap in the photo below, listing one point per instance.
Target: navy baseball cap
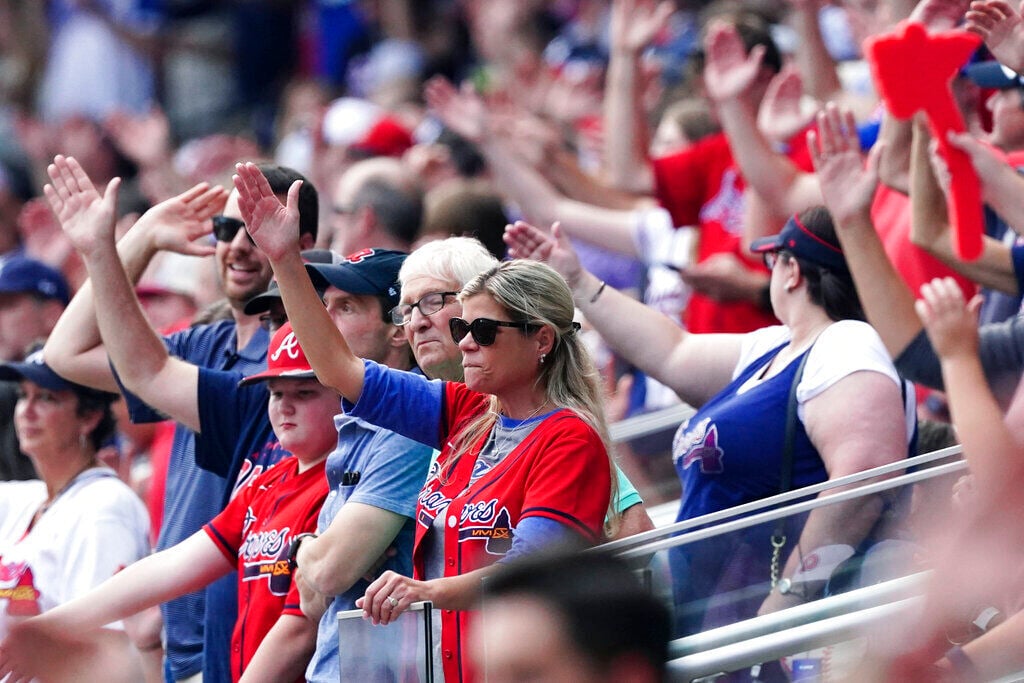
(802, 243)
(368, 271)
(23, 275)
(261, 302)
(992, 74)
(34, 370)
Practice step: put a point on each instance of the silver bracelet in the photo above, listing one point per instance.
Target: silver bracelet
(598, 292)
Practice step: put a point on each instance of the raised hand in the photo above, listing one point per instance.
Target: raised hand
(939, 15)
(999, 25)
(273, 226)
(781, 114)
(847, 185)
(951, 324)
(462, 111)
(636, 23)
(143, 138)
(528, 242)
(87, 218)
(177, 223)
(729, 71)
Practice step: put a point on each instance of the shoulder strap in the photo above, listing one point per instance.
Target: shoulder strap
(786, 471)
(778, 539)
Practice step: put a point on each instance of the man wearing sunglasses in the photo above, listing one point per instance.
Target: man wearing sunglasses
(238, 345)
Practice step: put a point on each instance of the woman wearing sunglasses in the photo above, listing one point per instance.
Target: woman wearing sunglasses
(844, 406)
(523, 458)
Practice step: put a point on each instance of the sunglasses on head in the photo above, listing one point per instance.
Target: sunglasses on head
(225, 228)
(484, 330)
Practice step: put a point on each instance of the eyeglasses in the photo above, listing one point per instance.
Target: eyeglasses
(225, 228)
(429, 304)
(484, 330)
(271, 322)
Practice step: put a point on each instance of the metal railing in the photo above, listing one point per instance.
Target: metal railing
(773, 646)
(663, 538)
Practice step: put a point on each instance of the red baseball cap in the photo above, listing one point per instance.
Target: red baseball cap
(285, 358)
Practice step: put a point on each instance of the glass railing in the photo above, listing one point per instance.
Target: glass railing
(718, 570)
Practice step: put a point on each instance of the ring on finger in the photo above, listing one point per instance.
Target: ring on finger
(393, 601)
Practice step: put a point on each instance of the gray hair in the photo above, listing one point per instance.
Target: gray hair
(455, 259)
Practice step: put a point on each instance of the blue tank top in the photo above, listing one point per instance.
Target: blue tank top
(730, 451)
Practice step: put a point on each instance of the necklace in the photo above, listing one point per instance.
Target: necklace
(47, 504)
(507, 440)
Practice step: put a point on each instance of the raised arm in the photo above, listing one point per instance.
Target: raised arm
(812, 57)
(930, 228)
(848, 188)
(74, 348)
(274, 228)
(695, 366)
(634, 24)
(730, 75)
(993, 445)
(135, 349)
(541, 203)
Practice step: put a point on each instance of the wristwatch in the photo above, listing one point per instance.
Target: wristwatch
(293, 550)
(786, 586)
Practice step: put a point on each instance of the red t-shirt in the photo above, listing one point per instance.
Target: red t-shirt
(702, 186)
(560, 471)
(890, 213)
(254, 531)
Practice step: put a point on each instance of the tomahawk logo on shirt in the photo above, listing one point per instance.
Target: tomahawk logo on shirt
(265, 556)
(17, 586)
(699, 444)
(484, 521)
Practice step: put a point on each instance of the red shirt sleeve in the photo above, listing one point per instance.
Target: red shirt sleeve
(225, 530)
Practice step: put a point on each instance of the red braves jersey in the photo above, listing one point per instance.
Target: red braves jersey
(702, 186)
(255, 530)
(560, 471)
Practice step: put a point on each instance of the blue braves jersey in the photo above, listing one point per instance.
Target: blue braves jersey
(194, 495)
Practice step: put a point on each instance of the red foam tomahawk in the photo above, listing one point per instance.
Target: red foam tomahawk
(913, 71)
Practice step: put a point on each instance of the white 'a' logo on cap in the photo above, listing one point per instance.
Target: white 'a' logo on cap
(289, 345)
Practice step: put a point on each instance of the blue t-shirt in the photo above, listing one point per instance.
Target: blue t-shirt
(194, 496)
(235, 439)
(390, 471)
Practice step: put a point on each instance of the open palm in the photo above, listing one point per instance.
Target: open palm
(273, 226)
(177, 223)
(847, 185)
(87, 218)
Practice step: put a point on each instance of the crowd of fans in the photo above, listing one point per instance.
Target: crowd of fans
(348, 294)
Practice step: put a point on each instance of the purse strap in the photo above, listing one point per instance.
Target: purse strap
(778, 539)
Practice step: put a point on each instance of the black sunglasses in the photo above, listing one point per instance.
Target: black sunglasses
(225, 228)
(484, 330)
